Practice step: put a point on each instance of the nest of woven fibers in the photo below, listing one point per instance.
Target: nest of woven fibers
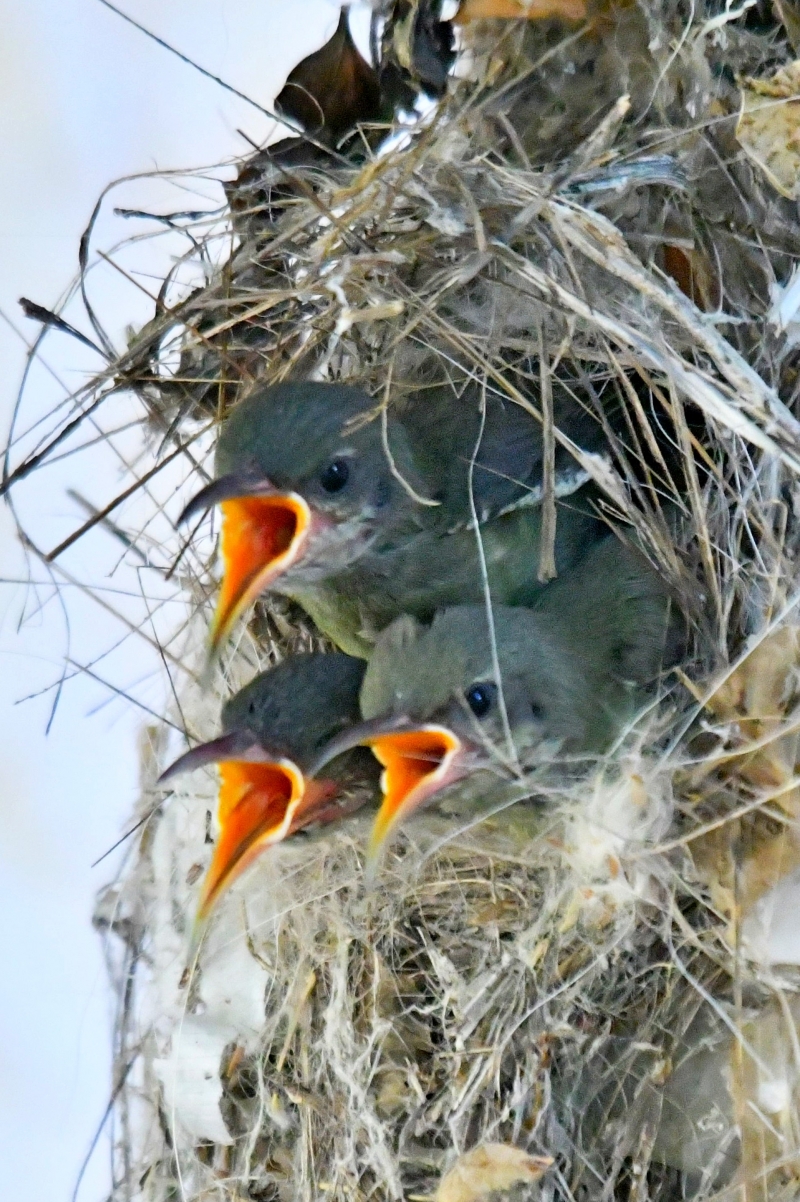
(590, 986)
(584, 978)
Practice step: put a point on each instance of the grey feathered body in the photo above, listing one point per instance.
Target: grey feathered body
(572, 666)
(386, 553)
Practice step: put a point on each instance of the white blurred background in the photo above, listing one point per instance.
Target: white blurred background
(87, 99)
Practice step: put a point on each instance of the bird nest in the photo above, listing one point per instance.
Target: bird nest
(586, 995)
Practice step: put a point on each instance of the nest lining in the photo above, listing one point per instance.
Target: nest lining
(567, 976)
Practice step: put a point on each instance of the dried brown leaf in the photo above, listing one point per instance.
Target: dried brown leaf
(740, 863)
(488, 1169)
(758, 697)
(745, 857)
(333, 90)
(531, 10)
(694, 275)
(769, 127)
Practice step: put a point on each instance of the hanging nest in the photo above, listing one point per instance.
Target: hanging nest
(589, 995)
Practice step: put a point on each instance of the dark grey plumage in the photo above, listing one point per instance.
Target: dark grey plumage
(374, 548)
(572, 666)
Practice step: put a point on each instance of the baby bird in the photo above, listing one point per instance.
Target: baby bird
(272, 730)
(360, 520)
(462, 696)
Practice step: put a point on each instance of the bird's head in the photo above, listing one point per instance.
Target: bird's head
(435, 709)
(305, 486)
(442, 702)
(272, 728)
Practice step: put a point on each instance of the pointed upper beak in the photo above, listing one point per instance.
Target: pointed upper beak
(245, 483)
(418, 761)
(237, 745)
(261, 800)
(263, 532)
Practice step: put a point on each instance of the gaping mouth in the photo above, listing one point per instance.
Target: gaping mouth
(261, 538)
(257, 806)
(262, 799)
(264, 531)
(418, 761)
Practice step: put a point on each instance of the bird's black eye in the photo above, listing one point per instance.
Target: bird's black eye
(335, 475)
(479, 699)
(537, 711)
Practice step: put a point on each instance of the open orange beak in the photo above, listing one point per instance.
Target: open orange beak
(263, 532)
(261, 801)
(257, 806)
(418, 761)
(416, 765)
(261, 538)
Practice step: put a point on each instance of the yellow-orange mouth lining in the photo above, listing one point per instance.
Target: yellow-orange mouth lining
(261, 537)
(417, 763)
(257, 805)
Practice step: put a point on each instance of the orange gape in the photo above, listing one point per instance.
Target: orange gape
(416, 764)
(261, 536)
(257, 803)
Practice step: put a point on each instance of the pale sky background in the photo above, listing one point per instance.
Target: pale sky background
(86, 99)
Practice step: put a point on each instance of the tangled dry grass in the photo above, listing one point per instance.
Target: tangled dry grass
(594, 975)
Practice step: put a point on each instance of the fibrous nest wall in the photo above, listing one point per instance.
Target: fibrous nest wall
(596, 975)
